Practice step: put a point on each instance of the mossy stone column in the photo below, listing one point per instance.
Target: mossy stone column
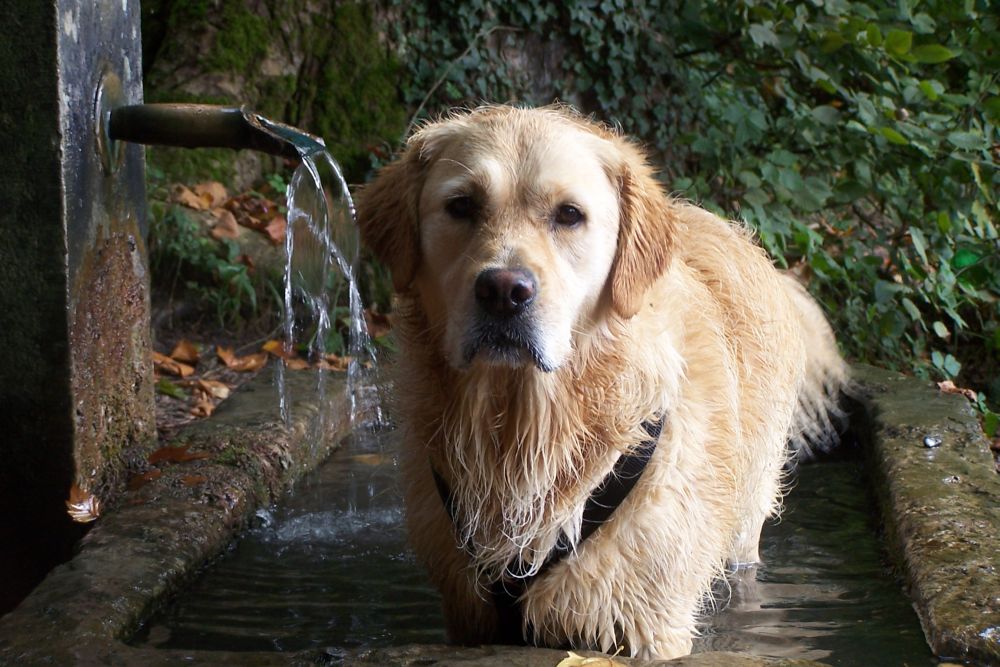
(76, 394)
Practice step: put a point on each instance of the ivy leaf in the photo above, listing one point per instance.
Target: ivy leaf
(762, 35)
(991, 423)
(898, 42)
(963, 258)
(893, 136)
(966, 140)
(911, 309)
(919, 243)
(932, 54)
(826, 114)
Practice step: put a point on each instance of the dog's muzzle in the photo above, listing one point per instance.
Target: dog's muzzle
(504, 330)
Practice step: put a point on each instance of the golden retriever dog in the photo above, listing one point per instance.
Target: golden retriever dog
(558, 314)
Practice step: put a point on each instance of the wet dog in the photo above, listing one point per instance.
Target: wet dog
(597, 384)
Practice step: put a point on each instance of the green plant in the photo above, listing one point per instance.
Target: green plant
(858, 138)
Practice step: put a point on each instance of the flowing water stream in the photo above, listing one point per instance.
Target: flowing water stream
(330, 568)
(321, 258)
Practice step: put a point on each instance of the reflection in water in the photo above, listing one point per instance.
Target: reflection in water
(823, 592)
(330, 568)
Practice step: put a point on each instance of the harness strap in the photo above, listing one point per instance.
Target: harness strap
(605, 499)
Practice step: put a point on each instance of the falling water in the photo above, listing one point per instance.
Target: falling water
(322, 248)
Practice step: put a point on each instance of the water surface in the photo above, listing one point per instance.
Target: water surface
(331, 568)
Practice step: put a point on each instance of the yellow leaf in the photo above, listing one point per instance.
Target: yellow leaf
(213, 192)
(165, 364)
(225, 226)
(82, 506)
(575, 660)
(185, 351)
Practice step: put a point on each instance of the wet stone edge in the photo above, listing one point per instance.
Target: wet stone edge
(136, 556)
(939, 495)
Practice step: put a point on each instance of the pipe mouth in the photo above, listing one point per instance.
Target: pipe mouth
(209, 126)
(109, 96)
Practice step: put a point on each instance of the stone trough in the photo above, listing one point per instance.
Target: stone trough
(940, 511)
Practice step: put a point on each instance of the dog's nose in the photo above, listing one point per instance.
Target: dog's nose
(505, 292)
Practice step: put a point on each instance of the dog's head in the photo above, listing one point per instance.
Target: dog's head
(518, 230)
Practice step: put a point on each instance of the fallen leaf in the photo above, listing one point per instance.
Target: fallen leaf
(332, 362)
(296, 364)
(203, 408)
(276, 229)
(247, 261)
(213, 191)
(193, 480)
(175, 455)
(136, 482)
(575, 660)
(251, 362)
(165, 364)
(948, 387)
(185, 351)
(82, 506)
(279, 349)
(225, 226)
(214, 388)
(183, 195)
(168, 388)
(378, 324)
(369, 459)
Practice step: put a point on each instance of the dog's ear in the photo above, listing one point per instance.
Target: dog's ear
(388, 215)
(647, 221)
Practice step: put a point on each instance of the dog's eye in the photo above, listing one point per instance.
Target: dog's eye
(461, 208)
(568, 215)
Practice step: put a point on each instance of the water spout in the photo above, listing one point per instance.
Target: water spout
(208, 126)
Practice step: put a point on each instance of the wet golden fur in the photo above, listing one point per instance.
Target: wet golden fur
(652, 306)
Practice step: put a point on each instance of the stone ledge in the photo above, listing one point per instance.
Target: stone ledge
(164, 532)
(940, 508)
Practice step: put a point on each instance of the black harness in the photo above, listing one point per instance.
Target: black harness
(609, 494)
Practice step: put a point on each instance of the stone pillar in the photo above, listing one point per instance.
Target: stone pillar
(76, 390)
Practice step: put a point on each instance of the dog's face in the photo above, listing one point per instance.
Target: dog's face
(519, 230)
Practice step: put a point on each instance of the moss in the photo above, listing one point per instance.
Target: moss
(353, 97)
(344, 87)
(243, 41)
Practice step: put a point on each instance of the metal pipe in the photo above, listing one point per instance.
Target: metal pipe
(208, 126)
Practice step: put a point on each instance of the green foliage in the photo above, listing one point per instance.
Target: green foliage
(184, 256)
(186, 262)
(859, 139)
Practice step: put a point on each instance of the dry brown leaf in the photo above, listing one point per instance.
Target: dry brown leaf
(247, 261)
(948, 387)
(225, 226)
(369, 459)
(175, 455)
(575, 660)
(193, 480)
(251, 362)
(204, 407)
(136, 482)
(183, 195)
(275, 230)
(279, 349)
(213, 191)
(296, 364)
(185, 351)
(82, 506)
(378, 324)
(214, 388)
(165, 364)
(332, 362)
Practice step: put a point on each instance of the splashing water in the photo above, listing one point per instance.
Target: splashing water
(322, 249)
